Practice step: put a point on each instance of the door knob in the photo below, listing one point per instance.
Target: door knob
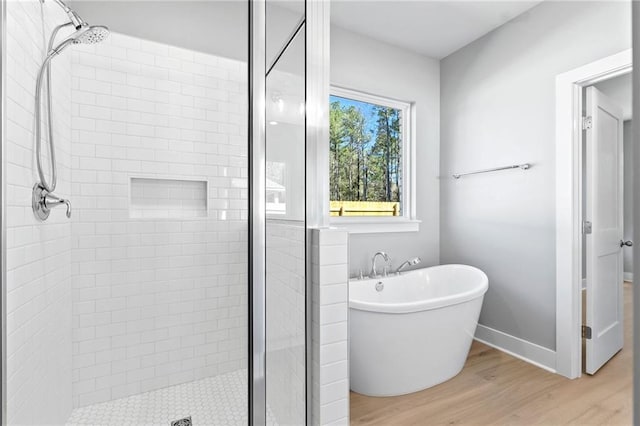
(627, 243)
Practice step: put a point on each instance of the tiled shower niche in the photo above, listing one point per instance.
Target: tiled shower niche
(167, 198)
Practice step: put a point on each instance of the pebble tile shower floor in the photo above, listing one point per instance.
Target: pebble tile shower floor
(219, 400)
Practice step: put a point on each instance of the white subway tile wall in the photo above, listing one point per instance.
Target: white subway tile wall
(285, 312)
(156, 301)
(330, 310)
(38, 254)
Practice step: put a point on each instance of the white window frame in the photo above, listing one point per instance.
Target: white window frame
(407, 222)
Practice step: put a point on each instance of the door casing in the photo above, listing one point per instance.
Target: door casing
(569, 152)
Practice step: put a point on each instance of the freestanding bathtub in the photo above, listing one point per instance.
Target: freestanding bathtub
(412, 331)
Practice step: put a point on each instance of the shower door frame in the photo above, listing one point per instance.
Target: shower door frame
(3, 216)
(257, 213)
(317, 45)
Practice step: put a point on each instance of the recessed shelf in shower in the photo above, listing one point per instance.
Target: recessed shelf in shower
(155, 198)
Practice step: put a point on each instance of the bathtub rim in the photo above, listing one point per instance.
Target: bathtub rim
(424, 305)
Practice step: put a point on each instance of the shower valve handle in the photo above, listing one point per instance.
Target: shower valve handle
(50, 201)
(66, 203)
(43, 202)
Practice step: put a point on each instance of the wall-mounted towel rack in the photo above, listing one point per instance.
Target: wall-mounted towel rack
(524, 166)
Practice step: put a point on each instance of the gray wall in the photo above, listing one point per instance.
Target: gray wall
(498, 108)
(628, 195)
(218, 27)
(619, 90)
(360, 63)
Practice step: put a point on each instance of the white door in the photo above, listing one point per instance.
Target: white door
(604, 209)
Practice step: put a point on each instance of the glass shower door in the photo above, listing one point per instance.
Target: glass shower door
(285, 219)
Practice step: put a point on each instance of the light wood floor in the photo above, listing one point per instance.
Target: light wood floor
(497, 389)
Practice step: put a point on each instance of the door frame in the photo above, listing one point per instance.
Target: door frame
(569, 187)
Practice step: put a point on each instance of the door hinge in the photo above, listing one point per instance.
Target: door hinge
(586, 332)
(587, 227)
(587, 123)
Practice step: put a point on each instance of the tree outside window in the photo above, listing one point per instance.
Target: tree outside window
(366, 148)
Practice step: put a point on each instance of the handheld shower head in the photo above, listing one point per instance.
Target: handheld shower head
(92, 35)
(85, 35)
(411, 262)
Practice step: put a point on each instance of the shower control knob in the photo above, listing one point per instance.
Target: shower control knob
(43, 202)
(627, 243)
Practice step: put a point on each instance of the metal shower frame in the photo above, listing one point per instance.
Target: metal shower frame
(3, 216)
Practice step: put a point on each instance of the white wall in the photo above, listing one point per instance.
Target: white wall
(38, 254)
(371, 66)
(498, 106)
(158, 300)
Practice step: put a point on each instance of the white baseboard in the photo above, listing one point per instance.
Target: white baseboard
(530, 352)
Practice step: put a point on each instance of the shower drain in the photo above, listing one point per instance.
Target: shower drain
(182, 422)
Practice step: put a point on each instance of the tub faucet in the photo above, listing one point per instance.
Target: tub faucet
(387, 259)
(410, 262)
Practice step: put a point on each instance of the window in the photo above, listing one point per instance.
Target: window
(370, 164)
(276, 188)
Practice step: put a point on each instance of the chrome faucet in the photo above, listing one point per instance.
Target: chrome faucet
(387, 259)
(43, 201)
(410, 262)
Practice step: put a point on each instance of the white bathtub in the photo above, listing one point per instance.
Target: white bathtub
(414, 333)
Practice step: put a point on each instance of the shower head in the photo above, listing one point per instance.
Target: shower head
(91, 34)
(85, 35)
(414, 261)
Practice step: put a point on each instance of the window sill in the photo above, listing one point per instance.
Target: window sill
(375, 226)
